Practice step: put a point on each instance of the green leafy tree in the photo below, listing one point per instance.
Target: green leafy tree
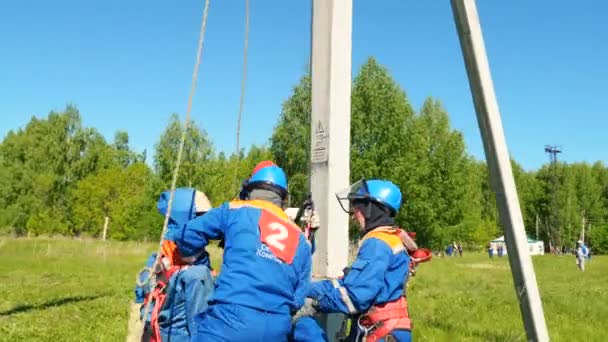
(529, 193)
(380, 121)
(197, 151)
(290, 140)
(126, 196)
(44, 161)
(438, 172)
(124, 156)
(484, 205)
(223, 176)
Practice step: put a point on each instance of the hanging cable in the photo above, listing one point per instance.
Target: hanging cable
(242, 99)
(181, 145)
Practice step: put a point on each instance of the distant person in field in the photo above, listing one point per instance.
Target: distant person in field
(460, 249)
(181, 287)
(266, 266)
(490, 251)
(372, 289)
(581, 254)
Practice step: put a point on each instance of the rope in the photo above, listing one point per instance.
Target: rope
(242, 99)
(181, 145)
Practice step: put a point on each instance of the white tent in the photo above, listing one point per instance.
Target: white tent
(535, 247)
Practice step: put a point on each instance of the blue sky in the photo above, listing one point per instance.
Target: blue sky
(127, 65)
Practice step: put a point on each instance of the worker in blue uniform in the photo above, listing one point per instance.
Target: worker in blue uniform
(266, 268)
(188, 284)
(372, 289)
(305, 327)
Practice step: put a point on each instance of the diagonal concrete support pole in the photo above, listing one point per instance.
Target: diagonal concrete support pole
(499, 164)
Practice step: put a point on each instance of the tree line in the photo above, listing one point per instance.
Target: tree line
(60, 177)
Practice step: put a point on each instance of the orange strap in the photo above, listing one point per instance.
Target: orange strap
(159, 299)
(158, 296)
(385, 318)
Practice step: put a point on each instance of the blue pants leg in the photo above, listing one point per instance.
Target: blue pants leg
(236, 323)
(187, 296)
(401, 336)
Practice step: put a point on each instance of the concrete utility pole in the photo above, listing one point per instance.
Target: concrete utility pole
(330, 129)
(501, 175)
(330, 136)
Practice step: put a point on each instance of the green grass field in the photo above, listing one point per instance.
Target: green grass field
(68, 290)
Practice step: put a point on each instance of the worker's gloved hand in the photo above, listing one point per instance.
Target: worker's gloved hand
(309, 308)
(312, 216)
(413, 267)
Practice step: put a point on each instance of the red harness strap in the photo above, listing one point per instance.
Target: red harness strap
(383, 319)
(158, 297)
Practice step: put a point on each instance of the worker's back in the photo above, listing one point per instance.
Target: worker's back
(397, 264)
(265, 273)
(252, 272)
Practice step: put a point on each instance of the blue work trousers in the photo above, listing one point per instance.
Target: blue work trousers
(237, 323)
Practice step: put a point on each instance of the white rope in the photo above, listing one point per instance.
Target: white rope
(242, 99)
(181, 146)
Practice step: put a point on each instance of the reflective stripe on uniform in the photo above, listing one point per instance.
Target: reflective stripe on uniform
(344, 295)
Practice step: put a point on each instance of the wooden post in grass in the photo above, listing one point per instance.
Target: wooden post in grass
(105, 228)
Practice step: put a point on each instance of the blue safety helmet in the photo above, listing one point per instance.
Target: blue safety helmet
(272, 177)
(383, 192)
(187, 204)
(182, 208)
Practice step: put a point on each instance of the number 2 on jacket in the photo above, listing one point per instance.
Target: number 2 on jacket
(280, 236)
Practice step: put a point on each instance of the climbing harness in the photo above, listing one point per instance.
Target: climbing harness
(382, 319)
(158, 294)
